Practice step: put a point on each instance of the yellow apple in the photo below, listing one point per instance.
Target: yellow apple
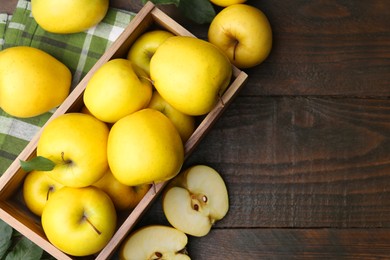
(38, 187)
(85, 110)
(31, 81)
(144, 147)
(117, 89)
(77, 144)
(79, 221)
(142, 50)
(68, 16)
(243, 33)
(185, 124)
(123, 196)
(195, 200)
(155, 242)
(225, 3)
(190, 74)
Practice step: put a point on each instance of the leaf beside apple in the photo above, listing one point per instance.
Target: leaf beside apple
(38, 163)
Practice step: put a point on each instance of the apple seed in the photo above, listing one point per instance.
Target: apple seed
(196, 207)
(198, 200)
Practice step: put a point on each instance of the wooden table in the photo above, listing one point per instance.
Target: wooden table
(305, 147)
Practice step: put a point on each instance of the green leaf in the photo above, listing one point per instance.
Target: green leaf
(199, 11)
(38, 163)
(5, 238)
(163, 2)
(25, 250)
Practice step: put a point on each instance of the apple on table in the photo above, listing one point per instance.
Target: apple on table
(155, 242)
(243, 33)
(32, 81)
(195, 199)
(71, 16)
(225, 3)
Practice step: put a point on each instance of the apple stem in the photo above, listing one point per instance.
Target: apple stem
(90, 223)
(183, 251)
(236, 42)
(51, 188)
(63, 159)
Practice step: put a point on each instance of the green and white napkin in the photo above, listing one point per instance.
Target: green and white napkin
(79, 52)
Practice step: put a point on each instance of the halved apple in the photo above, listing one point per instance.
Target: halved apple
(195, 200)
(155, 242)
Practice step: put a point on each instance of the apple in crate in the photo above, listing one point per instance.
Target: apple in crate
(145, 46)
(38, 187)
(117, 89)
(155, 242)
(185, 124)
(191, 74)
(123, 196)
(144, 147)
(195, 200)
(76, 144)
(79, 221)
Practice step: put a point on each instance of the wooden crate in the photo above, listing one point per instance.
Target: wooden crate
(12, 208)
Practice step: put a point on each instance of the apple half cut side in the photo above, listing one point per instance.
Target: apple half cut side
(155, 242)
(195, 200)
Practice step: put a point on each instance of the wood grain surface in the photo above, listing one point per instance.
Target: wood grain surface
(305, 147)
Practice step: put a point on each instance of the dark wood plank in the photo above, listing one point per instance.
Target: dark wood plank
(291, 244)
(301, 162)
(325, 48)
(304, 162)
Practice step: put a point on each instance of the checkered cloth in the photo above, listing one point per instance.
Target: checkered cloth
(79, 52)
